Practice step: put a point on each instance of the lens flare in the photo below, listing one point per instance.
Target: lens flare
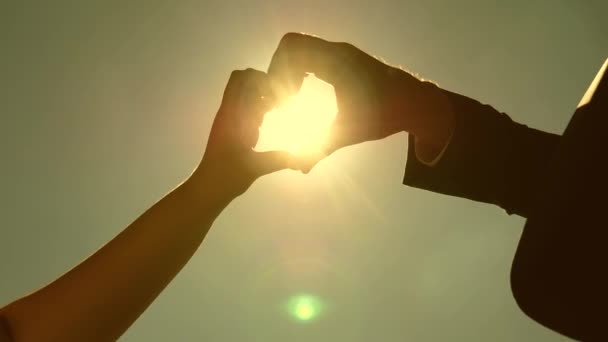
(304, 308)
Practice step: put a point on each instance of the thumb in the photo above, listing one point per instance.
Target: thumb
(263, 163)
(306, 162)
(343, 134)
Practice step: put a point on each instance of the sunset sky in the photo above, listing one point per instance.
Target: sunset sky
(106, 106)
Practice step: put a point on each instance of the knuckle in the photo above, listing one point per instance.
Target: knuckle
(290, 38)
(254, 73)
(234, 72)
(238, 77)
(248, 75)
(345, 47)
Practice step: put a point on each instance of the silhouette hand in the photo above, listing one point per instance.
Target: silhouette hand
(229, 160)
(374, 100)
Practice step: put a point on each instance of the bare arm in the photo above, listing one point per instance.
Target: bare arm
(102, 296)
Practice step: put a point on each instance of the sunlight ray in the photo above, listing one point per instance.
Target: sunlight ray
(301, 124)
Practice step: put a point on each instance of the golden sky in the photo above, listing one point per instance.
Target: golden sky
(106, 106)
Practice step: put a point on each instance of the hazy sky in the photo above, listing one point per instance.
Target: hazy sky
(106, 106)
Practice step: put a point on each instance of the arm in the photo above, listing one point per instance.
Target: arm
(101, 297)
(5, 333)
(489, 157)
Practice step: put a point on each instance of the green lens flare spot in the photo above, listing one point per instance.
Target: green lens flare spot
(304, 308)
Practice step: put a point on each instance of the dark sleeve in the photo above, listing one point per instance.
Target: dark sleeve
(490, 158)
(5, 331)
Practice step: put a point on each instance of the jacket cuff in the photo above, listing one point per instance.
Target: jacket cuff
(473, 164)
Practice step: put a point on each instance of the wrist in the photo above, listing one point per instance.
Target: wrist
(426, 113)
(208, 189)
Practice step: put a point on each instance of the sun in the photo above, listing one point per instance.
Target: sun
(301, 125)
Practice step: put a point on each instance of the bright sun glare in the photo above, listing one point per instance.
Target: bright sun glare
(301, 125)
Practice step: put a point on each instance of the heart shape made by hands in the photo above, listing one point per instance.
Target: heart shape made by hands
(301, 125)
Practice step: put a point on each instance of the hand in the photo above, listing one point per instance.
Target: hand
(230, 163)
(374, 100)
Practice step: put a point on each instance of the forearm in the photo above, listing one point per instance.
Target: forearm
(428, 116)
(101, 297)
(489, 158)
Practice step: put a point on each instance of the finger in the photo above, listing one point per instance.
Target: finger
(263, 163)
(299, 54)
(307, 162)
(254, 103)
(339, 135)
(256, 96)
(257, 80)
(245, 87)
(233, 90)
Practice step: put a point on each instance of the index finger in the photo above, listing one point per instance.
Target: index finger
(299, 54)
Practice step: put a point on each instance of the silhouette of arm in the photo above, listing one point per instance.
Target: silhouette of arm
(5, 333)
(102, 296)
(489, 158)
